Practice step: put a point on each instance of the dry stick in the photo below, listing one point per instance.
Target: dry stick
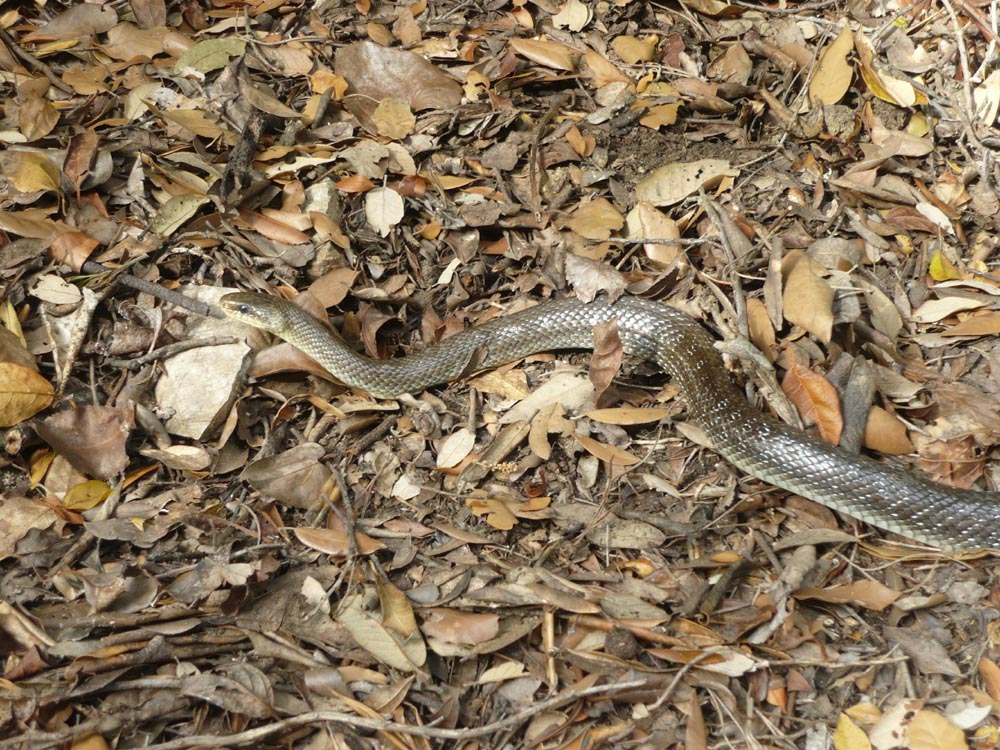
(534, 179)
(314, 717)
(167, 295)
(35, 63)
(165, 352)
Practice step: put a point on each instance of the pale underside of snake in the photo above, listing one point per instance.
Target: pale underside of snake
(882, 494)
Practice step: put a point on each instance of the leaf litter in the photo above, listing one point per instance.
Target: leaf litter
(208, 542)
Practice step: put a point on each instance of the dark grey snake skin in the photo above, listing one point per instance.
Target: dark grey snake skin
(879, 493)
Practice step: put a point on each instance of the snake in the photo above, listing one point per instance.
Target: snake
(884, 494)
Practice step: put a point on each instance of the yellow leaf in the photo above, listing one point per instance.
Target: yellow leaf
(39, 465)
(849, 736)
(31, 171)
(86, 495)
(930, 730)
(942, 269)
(23, 393)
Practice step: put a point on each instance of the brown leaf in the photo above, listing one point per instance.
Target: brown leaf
(502, 512)
(885, 433)
(72, 248)
(78, 21)
(930, 730)
(79, 157)
(695, 737)
(986, 324)
(37, 118)
(127, 41)
(817, 401)
(606, 358)
(31, 171)
(627, 415)
(456, 626)
(91, 438)
(296, 477)
(608, 453)
(272, 229)
(808, 299)
(590, 277)
(833, 73)
(596, 219)
(334, 541)
(18, 516)
(955, 462)
(241, 689)
(397, 613)
(868, 593)
(545, 52)
(378, 73)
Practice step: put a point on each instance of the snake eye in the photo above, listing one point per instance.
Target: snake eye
(243, 309)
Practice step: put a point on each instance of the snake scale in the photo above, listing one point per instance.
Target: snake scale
(881, 494)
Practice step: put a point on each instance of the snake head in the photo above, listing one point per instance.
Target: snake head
(256, 309)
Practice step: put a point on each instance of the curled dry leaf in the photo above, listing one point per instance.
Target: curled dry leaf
(384, 209)
(606, 358)
(406, 655)
(609, 453)
(296, 477)
(18, 516)
(885, 433)
(596, 219)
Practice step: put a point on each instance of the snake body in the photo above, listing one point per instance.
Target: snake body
(882, 494)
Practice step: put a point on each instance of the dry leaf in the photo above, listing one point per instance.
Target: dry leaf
(92, 438)
(383, 209)
(456, 626)
(849, 736)
(885, 433)
(545, 52)
(808, 298)
(23, 393)
(833, 73)
(868, 593)
(817, 401)
(674, 182)
(334, 542)
(608, 453)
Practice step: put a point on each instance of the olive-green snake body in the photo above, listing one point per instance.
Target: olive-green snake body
(882, 494)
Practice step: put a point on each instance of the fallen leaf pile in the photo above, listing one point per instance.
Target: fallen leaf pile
(206, 541)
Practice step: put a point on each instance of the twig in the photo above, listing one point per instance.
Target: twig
(165, 352)
(35, 63)
(141, 285)
(534, 179)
